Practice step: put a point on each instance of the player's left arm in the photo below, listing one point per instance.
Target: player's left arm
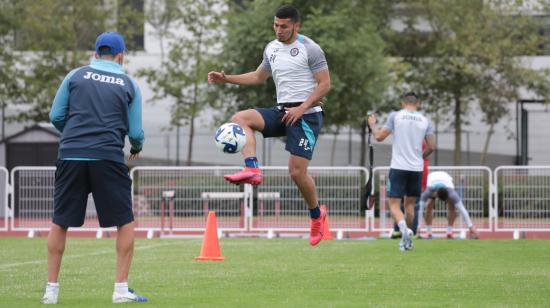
(323, 86)
(454, 199)
(430, 141)
(135, 129)
(456, 202)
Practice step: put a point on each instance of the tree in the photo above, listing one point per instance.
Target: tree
(472, 55)
(249, 29)
(182, 76)
(347, 32)
(56, 36)
(355, 52)
(10, 73)
(162, 15)
(53, 47)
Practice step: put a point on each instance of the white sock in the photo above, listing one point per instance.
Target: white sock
(429, 229)
(52, 287)
(402, 226)
(121, 287)
(449, 229)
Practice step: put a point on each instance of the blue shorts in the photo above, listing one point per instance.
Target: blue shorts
(301, 136)
(404, 183)
(109, 183)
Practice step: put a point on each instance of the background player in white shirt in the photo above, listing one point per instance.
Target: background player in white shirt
(409, 128)
(300, 72)
(440, 185)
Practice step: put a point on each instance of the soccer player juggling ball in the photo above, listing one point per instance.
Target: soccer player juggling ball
(300, 72)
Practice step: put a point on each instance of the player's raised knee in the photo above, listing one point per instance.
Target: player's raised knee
(239, 118)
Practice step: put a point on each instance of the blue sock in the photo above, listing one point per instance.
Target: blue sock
(315, 213)
(251, 162)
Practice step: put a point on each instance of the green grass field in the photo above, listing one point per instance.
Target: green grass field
(288, 273)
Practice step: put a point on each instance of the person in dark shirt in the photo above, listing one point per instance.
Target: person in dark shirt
(95, 108)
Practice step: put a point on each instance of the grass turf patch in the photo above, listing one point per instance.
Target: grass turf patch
(287, 272)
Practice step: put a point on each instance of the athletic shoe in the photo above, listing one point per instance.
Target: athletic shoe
(427, 236)
(408, 239)
(127, 297)
(251, 176)
(402, 246)
(49, 298)
(316, 228)
(450, 235)
(473, 233)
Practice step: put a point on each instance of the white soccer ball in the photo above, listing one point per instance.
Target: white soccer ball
(230, 138)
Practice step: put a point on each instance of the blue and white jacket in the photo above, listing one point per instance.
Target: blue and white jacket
(95, 107)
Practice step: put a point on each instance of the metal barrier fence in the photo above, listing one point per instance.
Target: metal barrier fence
(522, 198)
(279, 206)
(4, 191)
(179, 198)
(473, 185)
(32, 204)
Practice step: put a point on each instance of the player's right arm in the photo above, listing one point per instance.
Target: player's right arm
(381, 133)
(60, 107)
(257, 77)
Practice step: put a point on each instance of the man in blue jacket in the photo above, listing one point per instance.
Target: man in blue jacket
(95, 107)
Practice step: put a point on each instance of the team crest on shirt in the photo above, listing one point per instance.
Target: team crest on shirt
(294, 52)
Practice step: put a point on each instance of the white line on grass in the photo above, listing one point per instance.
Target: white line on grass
(100, 252)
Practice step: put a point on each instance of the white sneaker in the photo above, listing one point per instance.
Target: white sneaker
(406, 241)
(129, 296)
(49, 298)
(401, 245)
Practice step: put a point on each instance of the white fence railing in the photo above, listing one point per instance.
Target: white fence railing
(522, 198)
(179, 198)
(279, 206)
(32, 200)
(4, 191)
(275, 205)
(473, 185)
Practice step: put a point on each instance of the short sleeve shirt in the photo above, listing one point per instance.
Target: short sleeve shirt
(409, 129)
(292, 67)
(437, 180)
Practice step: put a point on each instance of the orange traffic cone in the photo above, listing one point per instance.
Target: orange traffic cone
(326, 229)
(210, 246)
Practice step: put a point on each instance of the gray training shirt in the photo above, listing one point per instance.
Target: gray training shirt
(409, 129)
(292, 67)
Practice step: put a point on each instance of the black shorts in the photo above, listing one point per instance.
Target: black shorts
(404, 183)
(109, 183)
(301, 136)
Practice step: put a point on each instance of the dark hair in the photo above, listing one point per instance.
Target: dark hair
(410, 98)
(105, 50)
(288, 11)
(442, 194)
